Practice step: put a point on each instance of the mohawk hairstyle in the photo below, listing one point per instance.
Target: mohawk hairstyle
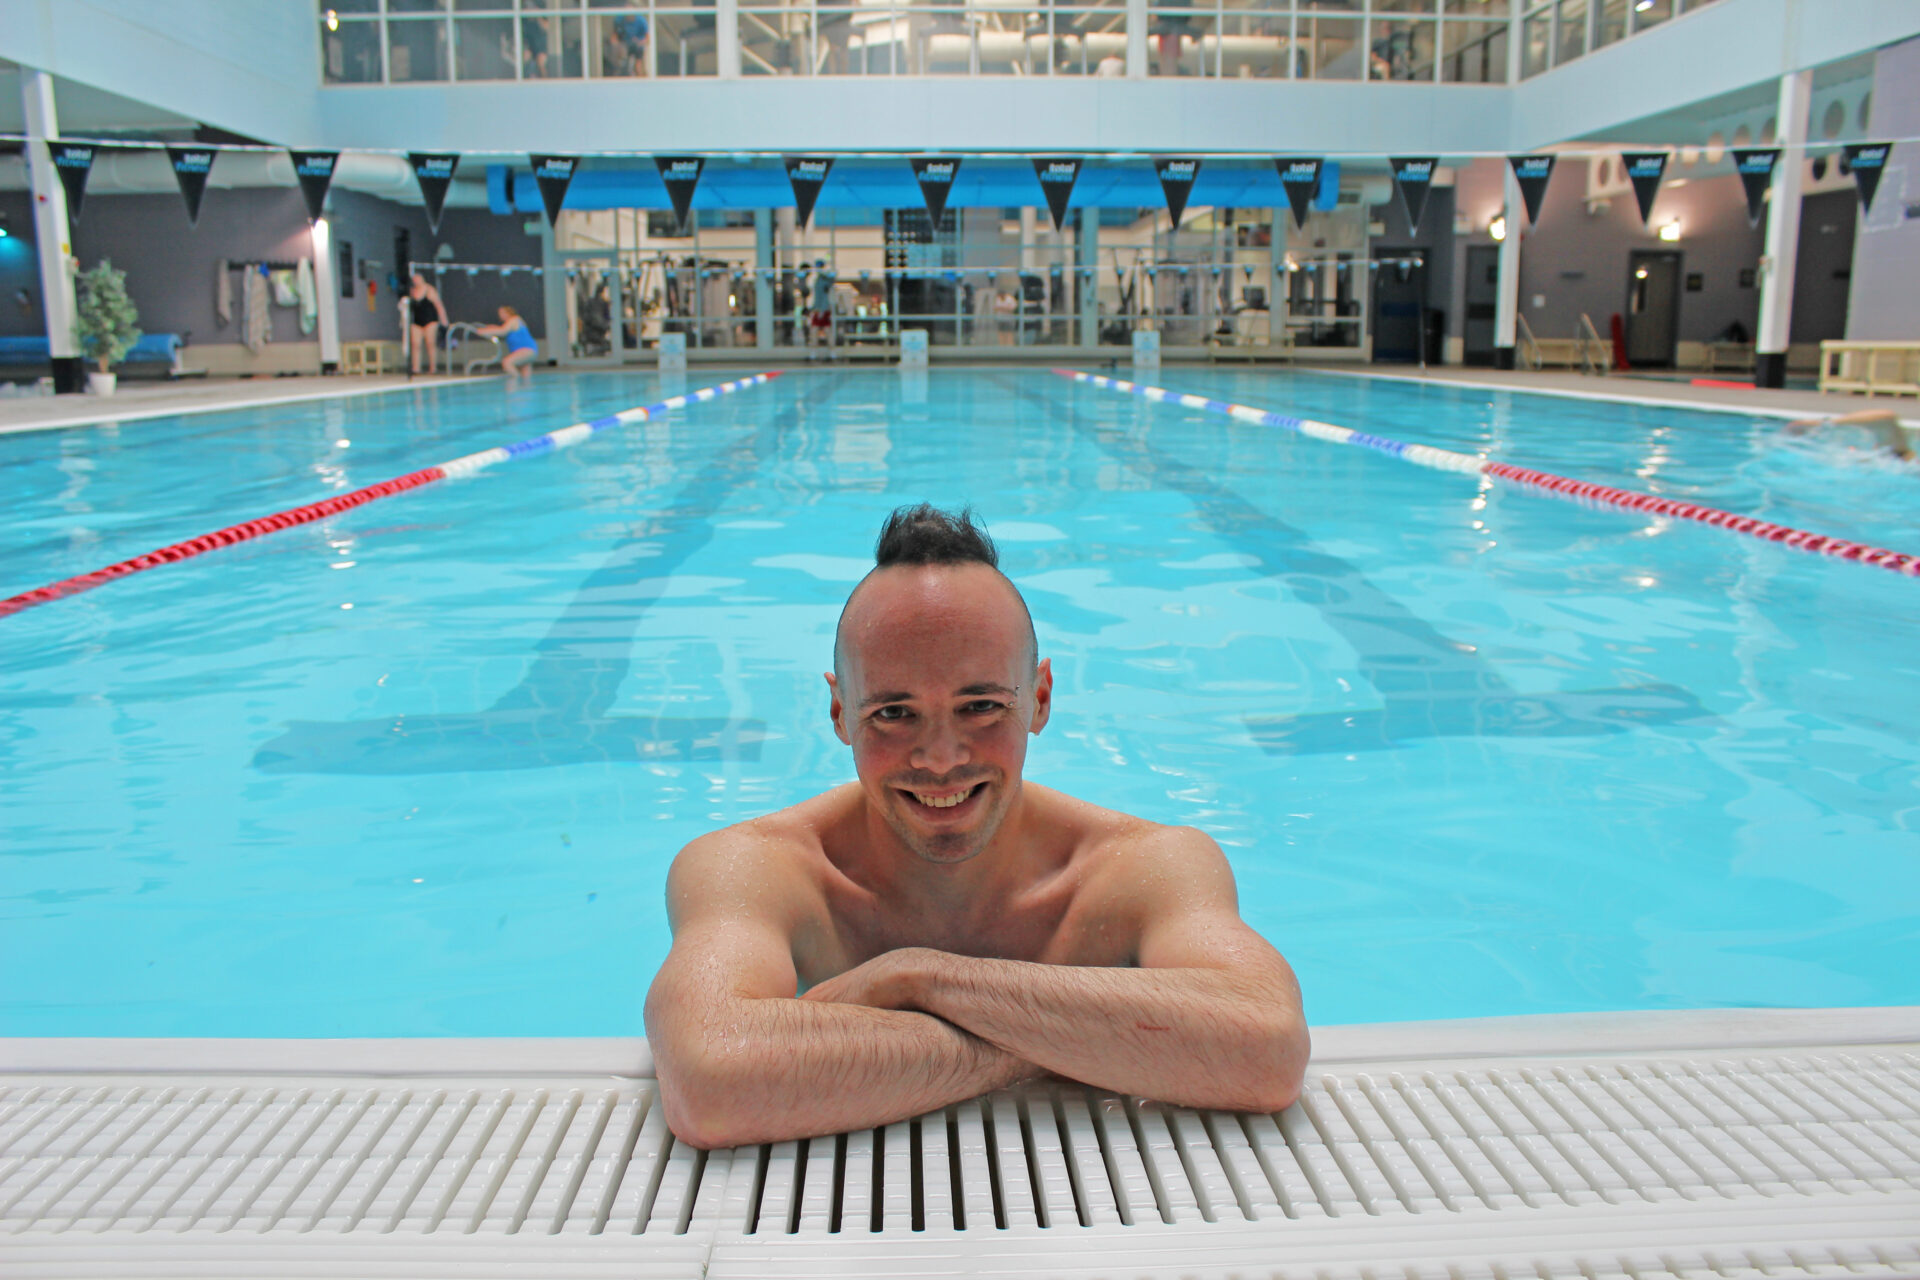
(924, 534)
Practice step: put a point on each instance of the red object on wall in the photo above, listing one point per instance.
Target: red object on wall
(1618, 332)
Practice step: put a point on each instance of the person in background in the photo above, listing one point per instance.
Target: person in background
(1882, 424)
(626, 46)
(533, 48)
(521, 348)
(820, 316)
(426, 316)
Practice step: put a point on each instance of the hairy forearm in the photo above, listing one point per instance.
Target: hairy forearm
(1196, 1037)
(765, 1070)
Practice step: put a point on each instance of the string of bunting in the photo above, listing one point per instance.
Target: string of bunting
(1306, 182)
(1468, 464)
(471, 464)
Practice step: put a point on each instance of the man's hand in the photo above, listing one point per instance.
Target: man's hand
(891, 980)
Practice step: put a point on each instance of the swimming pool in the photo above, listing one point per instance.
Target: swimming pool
(419, 769)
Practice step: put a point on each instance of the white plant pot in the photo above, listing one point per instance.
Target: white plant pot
(101, 384)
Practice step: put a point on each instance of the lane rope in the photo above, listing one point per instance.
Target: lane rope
(1468, 464)
(459, 468)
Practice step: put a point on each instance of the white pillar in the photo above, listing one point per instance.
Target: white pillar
(1280, 287)
(328, 288)
(763, 279)
(553, 296)
(726, 21)
(1506, 307)
(50, 227)
(1136, 39)
(1783, 233)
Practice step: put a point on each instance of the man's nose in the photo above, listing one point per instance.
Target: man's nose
(942, 747)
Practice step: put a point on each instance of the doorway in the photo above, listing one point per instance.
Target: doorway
(1653, 307)
(1399, 303)
(1482, 300)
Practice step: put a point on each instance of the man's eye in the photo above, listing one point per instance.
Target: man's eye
(983, 707)
(892, 713)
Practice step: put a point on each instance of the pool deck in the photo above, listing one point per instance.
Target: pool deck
(1650, 1146)
(139, 401)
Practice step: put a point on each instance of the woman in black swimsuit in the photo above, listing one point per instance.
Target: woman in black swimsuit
(425, 314)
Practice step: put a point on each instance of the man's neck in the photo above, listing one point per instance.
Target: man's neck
(949, 890)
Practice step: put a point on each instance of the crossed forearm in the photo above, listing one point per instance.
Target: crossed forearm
(1195, 1037)
(771, 1069)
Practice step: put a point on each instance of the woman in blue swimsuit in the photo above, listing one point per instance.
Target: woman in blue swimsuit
(521, 348)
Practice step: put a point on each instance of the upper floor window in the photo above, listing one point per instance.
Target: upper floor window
(411, 41)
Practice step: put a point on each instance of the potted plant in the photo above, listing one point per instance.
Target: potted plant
(106, 322)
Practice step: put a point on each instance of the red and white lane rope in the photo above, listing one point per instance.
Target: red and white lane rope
(1446, 460)
(469, 465)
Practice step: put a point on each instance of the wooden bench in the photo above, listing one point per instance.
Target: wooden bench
(1871, 368)
(369, 356)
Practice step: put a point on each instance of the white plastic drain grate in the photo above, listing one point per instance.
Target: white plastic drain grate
(1780, 1165)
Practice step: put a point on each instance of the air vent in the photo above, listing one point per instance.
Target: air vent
(1782, 1165)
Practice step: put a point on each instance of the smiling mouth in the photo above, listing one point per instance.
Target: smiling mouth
(941, 801)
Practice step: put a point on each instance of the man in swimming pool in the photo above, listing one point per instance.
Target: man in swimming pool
(940, 927)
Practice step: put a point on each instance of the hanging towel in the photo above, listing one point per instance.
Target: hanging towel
(283, 294)
(223, 293)
(309, 297)
(255, 319)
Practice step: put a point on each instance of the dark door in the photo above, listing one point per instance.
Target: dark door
(1653, 307)
(1399, 301)
(1482, 299)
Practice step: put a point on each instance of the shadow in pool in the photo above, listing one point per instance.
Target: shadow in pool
(558, 714)
(1431, 686)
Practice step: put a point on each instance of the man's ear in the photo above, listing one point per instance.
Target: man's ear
(1042, 695)
(837, 710)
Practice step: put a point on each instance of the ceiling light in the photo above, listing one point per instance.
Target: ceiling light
(1498, 227)
(1670, 231)
(333, 20)
(1643, 6)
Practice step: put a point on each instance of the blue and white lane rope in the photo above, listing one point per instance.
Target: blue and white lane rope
(472, 464)
(1467, 464)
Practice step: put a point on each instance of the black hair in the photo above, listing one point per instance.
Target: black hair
(924, 534)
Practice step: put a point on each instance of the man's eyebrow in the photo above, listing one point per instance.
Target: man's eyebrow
(970, 691)
(878, 699)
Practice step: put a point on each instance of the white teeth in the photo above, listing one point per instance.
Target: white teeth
(942, 802)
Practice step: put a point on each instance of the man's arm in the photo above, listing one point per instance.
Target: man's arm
(1211, 1018)
(741, 1060)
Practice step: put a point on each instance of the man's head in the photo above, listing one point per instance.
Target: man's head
(937, 683)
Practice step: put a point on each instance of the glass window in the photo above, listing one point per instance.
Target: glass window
(939, 42)
(1613, 22)
(1473, 52)
(686, 44)
(480, 6)
(416, 50)
(1253, 44)
(1403, 6)
(350, 52)
(1401, 50)
(1537, 42)
(776, 42)
(1573, 31)
(619, 45)
(348, 6)
(1651, 13)
(1179, 41)
(1328, 48)
(416, 6)
(549, 47)
(483, 49)
(1090, 42)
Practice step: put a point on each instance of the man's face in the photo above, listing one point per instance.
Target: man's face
(937, 692)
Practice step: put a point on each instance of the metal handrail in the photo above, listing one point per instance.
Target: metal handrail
(461, 331)
(1596, 353)
(1530, 357)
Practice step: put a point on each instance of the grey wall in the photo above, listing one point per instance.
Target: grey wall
(171, 264)
(1885, 302)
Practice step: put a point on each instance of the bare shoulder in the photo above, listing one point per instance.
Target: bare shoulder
(766, 866)
(1121, 855)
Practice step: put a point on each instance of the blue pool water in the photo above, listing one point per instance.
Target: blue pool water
(1472, 750)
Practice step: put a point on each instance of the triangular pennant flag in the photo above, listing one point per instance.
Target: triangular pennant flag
(1414, 176)
(1644, 170)
(682, 175)
(553, 175)
(1868, 160)
(1056, 183)
(314, 170)
(73, 161)
(1531, 173)
(434, 173)
(1299, 178)
(935, 174)
(1755, 167)
(807, 174)
(191, 168)
(1177, 177)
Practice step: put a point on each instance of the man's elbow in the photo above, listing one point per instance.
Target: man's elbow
(702, 1109)
(1274, 1065)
